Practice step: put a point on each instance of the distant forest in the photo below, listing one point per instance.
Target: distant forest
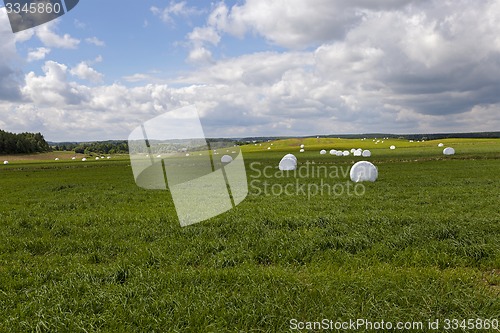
(23, 143)
(87, 148)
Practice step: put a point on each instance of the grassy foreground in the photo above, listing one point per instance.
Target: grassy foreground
(83, 249)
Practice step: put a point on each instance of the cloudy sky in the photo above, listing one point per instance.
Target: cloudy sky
(255, 67)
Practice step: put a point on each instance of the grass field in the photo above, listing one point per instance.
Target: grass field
(83, 249)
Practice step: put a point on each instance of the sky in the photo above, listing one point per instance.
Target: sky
(255, 67)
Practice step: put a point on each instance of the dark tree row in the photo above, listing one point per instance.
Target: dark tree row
(23, 143)
(103, 147)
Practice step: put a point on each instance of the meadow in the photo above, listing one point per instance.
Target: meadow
(84, 249)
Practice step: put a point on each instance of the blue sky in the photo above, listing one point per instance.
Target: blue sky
(255, 67)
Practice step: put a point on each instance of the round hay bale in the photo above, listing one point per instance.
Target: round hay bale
(358, 152)
(56, 159)
(393, 147)
(292, 156)
(322, 152)
(302, 150)
(353, 150)
(5, 162)
(84, 159)
(333, 152)
(363, 171)
(346, 153)
(339, 153)
(226, 159)
(449, 151)
(73, 158)
(366, 153)
(440, 145)
(287, 164)
(302, 146)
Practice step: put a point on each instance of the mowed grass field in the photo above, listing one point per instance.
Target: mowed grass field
(83, 249)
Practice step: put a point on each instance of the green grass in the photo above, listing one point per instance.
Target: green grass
(83, 249)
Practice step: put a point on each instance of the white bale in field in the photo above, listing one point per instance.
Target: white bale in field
(322, 152)
(353, 150)
(440, 145)
(226, 159)
(302, 150)
(358, 152)
(109, 157)
(346, 153)
(56, 159)
(302, 146)
(292, 156)
(287, 164)
(5, 162)
(268, 148)
(333, 152)
(73, 158)
(363, 171)
(84, 159)
(393, 147)
(97, 158)
(339, 153)
(366, 153)
(187, 155)
(449, 151)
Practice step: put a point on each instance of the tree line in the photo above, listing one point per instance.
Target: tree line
(22, 143)
(88, 148)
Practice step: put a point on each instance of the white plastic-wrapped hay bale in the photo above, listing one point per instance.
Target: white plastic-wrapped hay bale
(226, 159)
(97, 158)
(84, 159)
(292, 156)
(302, 150)
(268, 148)
(440, 145)
(358, 152)
(363, 171)
(5, 162)
(346, 153)
(333, 152)
(392, 147)
(339, 153)
(56, 159)
(366, 153)
(353, 150)
(287, 164)
(322, 152)
(449, 151)
(302, 146)
(73, 158)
